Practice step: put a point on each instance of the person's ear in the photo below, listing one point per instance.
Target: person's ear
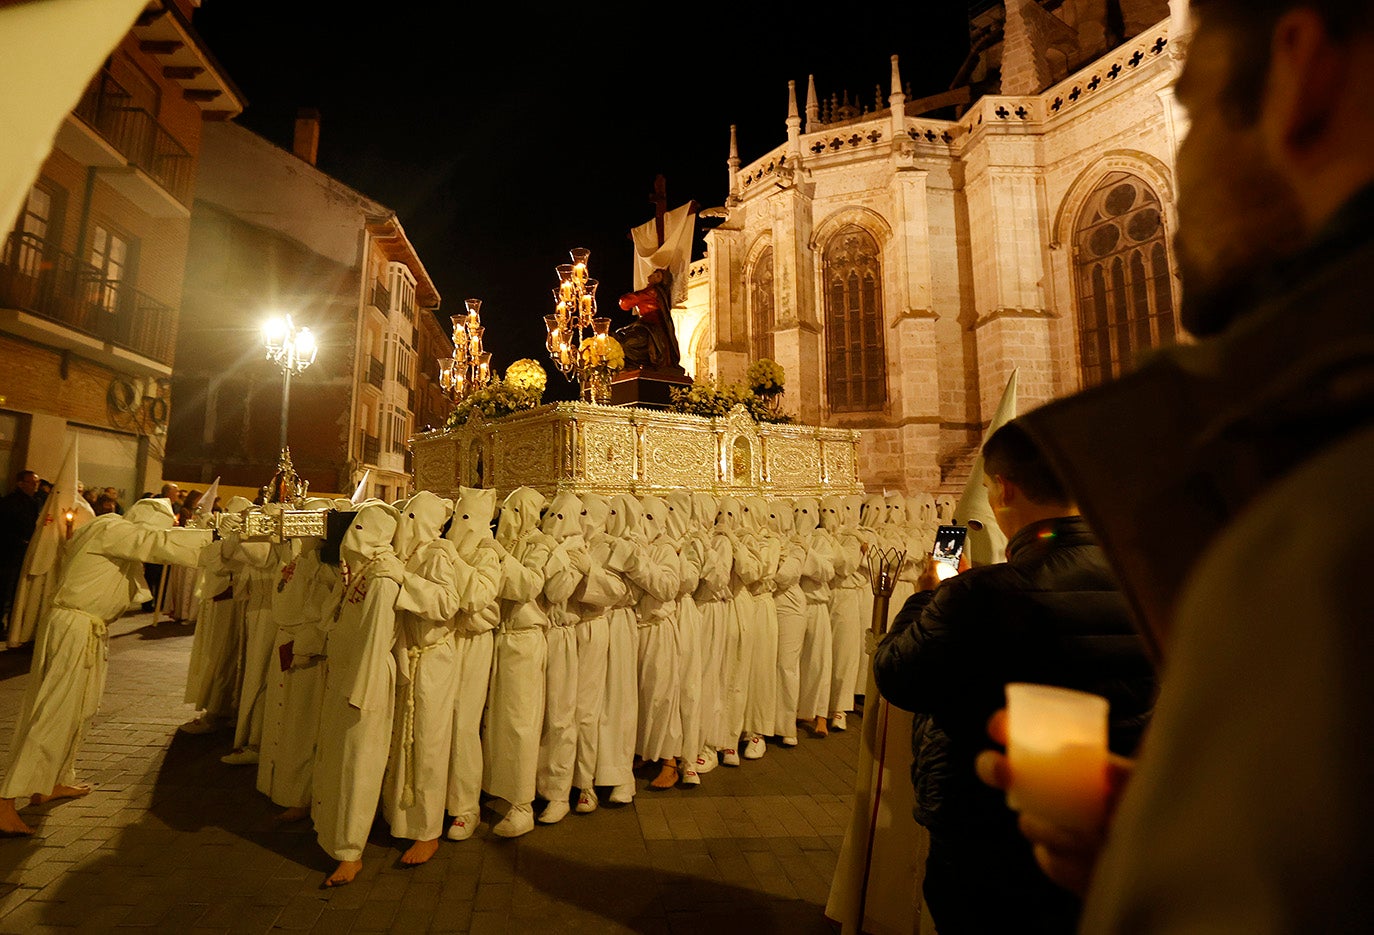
(1305, 90)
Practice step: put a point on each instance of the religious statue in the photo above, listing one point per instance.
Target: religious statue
(650, 341)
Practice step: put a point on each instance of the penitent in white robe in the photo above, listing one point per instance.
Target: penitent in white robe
(558, 736)
(100, 574)
(712, 599)
(741, 624)
(654, 570)
(257, 574)
(303, 604)
(619, 723)
(427, 683)
(600, 590)
(212, 674)
(515, 699)
(818, 571)
(846, 606)
(761, 701)
(790, 603)
(473, 640)
(359, 689)
(691, 549)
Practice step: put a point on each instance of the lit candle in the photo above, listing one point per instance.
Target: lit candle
(1057, 748)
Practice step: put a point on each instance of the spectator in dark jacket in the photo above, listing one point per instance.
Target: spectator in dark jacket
(1050, 614)
(18, 515)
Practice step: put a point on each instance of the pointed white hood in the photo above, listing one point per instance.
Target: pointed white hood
(704, 508)
(679, 519)
(729, 513)
(519, 515)
(563, 517)
(473, 512)
(832, 513)
(654, 521)
(623, 515)
(421, 519)
(896, 509)
(806, 516)
(370, 533)
(596, 511)
(779, 516)
(874, 512)
(153, 512)
(755, 513)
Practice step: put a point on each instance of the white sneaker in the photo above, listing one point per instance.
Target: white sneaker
(554, 812)
(789, 741)
(586, 802)
(519, 820)
(691, 777)
(706, 761)
(729, 757)
(201, 725)
(755, 748)
(623, 794)
(242, 757)
(839, 721)
(462, 828)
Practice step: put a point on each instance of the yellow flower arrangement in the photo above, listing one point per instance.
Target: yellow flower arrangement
(527, 374)
(765, 377)
(612, 357)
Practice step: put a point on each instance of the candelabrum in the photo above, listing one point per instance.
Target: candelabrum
(578, 340)
(469, 369)
(883, 566)
(292, 349)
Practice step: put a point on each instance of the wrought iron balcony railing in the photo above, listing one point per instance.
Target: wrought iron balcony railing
(376, 372)
(371, 448)
(381, 298)
(108, 110)
(52, 284)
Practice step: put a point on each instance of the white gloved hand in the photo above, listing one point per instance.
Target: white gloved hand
(387, 565)
(871, 641)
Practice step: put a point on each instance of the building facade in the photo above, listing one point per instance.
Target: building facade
(901, 267)
(91, 275)
(271, 235)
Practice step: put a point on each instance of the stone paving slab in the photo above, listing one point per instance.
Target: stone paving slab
(172, 840)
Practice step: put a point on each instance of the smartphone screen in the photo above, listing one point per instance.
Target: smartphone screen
(949, 544)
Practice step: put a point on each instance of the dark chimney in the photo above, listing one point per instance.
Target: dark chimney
(307, 141)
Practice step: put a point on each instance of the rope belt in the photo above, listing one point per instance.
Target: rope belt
(413, 655)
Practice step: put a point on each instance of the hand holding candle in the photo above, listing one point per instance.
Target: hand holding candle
(1057, 751)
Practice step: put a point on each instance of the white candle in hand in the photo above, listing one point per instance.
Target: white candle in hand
(1057, 749)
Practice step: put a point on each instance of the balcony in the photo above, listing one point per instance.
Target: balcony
(46, 287)
(381, 298)
(376, 372)
(141, 160)
(371, 448)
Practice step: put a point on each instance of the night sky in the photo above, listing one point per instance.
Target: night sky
(506, 134)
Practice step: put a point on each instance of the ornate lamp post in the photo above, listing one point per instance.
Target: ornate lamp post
(292, 349)
(574, 316)
(469, 369)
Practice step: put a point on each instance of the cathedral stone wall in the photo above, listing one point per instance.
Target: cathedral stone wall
(974, 222)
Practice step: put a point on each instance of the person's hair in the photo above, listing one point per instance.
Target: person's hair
(1011, 454)
(1250, 27)
(26, 473)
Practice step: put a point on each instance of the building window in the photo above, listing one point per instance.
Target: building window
(37, 227)
(1125, 288)
(111, 257)
(856, 364)
(761, 318)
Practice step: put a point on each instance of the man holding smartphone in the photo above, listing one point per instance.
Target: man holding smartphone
(1050, 614)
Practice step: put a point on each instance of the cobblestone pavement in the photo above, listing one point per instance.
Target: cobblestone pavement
(173, 840)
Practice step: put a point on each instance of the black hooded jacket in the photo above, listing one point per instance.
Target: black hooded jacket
(1051, 614)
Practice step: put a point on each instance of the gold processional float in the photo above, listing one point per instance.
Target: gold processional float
(635, 448)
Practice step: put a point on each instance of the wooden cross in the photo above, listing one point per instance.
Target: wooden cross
(659, 199)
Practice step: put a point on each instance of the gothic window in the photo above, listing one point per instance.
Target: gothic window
(761, 318)
(856, 365)
(1125, 290)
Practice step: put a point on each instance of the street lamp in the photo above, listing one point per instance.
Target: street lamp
(292, 349)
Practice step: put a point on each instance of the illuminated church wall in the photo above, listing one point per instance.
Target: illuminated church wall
(901, 268)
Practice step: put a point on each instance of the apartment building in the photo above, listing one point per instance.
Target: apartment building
(91, 275)
(273, 235)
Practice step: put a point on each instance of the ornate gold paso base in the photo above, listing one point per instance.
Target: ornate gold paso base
(648, 388)
(627, 449)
